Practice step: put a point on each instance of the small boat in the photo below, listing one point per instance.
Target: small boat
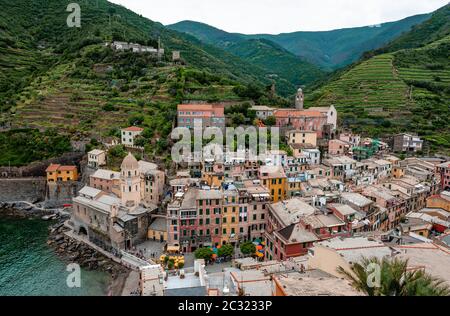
(48, 217)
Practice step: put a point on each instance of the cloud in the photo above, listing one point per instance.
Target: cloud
(278, 16)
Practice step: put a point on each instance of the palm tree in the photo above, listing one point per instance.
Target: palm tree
(394, 279)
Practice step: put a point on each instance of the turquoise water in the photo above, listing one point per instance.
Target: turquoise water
(28, 266)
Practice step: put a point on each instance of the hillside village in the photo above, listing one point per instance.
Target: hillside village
(329, 191)
(361, 171)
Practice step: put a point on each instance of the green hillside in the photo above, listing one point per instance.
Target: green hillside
(329, 50)
(34, 34)
(66, 82)
(435, 28)
(275, 60)
(404, 91)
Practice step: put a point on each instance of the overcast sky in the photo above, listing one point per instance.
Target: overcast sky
(278, 16)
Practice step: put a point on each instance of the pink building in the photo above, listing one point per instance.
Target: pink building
(195, 219)
(106, 181)
(338, 147)
(209, 115)
(444, 171)
(302, 120)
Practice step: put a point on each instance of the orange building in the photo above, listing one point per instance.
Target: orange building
(440, 201)
(274, 179)
(58, 173)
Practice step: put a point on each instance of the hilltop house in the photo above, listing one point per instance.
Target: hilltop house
(96, 158)
(129, 134)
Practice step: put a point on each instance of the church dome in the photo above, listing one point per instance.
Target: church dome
(129, 163)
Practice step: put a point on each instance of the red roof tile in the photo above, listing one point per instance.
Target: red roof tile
(53, 168)
(133, 129)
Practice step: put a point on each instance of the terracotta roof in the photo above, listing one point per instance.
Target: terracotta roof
(67, 168)
(57, 167)
(52, 168)
(133, 129)
(297, 113)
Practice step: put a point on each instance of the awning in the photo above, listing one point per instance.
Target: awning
(173, 248)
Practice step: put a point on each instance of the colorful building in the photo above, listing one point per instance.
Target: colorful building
(275, 180)
(129, 134)
(302, 137)
(444, 171)
(304, 120)
(58, 173)
(209, 115)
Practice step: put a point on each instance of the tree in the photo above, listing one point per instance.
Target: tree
(204, 253)
(248, 248)
(117, 151)
(238, 119)
(394, 279)
(226, 251)
(270, 121)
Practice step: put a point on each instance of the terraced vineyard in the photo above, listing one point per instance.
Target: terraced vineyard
(96, 103)
(370, 91)
(405, 91)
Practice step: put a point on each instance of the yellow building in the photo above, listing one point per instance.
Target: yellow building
(440, 201)
(275, 180)
(58, 173)
(213, 179)
(302, 137)
(398, 172)
(158, 230)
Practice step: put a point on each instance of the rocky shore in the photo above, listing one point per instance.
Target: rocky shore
(69, 249)
(24, 210)
(66, 248)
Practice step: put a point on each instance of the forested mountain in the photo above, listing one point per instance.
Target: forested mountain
(329, 50)
(53, 77)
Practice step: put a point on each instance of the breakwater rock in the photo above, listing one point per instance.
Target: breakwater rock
(72, 250)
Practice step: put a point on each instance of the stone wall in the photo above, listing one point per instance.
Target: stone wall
(60, 193)
(25, 189)
(37, 169)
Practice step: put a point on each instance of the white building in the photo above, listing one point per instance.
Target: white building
(312, 156)
(263, 112)
(276, 158)
(96, 158)
(331, 113)
(129, 134)
(152, 280)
